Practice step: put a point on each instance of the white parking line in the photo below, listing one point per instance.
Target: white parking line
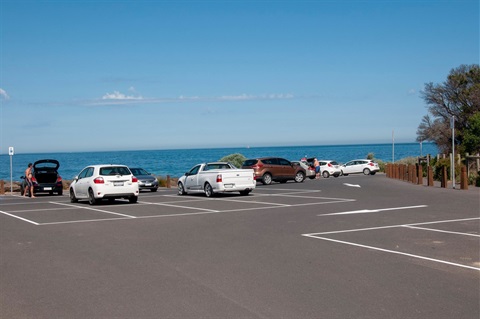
(319, 236)
(94, 209)
(395, 252)
(441, 231)
(18, 217)
(366, 211)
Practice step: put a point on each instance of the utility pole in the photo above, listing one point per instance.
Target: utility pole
(453, 150)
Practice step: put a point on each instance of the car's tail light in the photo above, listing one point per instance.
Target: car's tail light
(330, 165)
(254, 177)
(371, 164)
(134, 179)
(219, 178)
(99, 180)
(59, 179)
(257, 166)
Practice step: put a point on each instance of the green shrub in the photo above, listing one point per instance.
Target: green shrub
(236, 159)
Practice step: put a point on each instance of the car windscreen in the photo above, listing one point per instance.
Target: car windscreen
(139, 171)
(114, 170)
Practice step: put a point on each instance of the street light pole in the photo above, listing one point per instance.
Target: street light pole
(453, 151)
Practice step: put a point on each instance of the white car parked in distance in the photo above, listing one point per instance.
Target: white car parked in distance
(108, 181)
(329, 168)
(365, 166)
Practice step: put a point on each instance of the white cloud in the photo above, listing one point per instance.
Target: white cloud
(4, 94)
(117, 98)
(120, 96)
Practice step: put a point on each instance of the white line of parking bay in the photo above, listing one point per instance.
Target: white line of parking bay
(94, 209)
(18, 217)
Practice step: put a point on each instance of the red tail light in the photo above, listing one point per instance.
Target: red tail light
(219, 178)
(99, 180)
(34, 180)
(371, 164)
(330, 165)
(257, 166)
(134, 179)
(59, 179)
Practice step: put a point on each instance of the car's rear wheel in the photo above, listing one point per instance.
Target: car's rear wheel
(208, 190)
(299, 177)
(91, 197)
(73, 198)
(366, 171)
(181, 189)
(311, 177)
(133, 199)
(267, 179)
(344, 174)
(245, 192)
(153, 189)
(325, 174)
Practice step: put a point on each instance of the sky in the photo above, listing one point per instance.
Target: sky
(80, 76)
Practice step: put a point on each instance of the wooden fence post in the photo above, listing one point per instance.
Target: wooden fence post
(413, 175)
(168, 181)
(430, 176)
(444, 177)
(2, 187)
(464, 178)
(419, 174)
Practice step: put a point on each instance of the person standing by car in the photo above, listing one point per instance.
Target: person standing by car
(316, 163)
(28, 181)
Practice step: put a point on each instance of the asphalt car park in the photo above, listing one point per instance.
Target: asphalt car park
(357, 246)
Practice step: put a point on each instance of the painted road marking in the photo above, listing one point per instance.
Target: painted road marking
(320, 236)
(366, 211)
(94, 209)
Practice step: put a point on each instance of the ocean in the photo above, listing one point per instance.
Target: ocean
(176, 162)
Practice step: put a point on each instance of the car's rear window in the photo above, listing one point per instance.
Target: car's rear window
(333, 163)
(250, 162)
(114, 170)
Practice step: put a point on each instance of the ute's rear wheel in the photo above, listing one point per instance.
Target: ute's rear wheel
(245, 192)
(208, 190)
(133, 199)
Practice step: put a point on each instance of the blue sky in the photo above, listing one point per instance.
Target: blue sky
(131, 75)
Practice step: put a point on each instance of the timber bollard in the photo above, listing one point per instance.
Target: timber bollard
(430, 176)
(464, 178)
(2, 187)
(444, 177)
(168, 181)
(419, 175)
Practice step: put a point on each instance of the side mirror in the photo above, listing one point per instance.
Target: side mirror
(75, 178)
(186, 174)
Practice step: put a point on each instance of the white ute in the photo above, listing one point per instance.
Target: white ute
(217, 177)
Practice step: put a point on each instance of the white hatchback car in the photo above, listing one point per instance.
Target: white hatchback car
(365, 166)
(329, 168)
(97, 182)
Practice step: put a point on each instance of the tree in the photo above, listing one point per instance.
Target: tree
(458, 96)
